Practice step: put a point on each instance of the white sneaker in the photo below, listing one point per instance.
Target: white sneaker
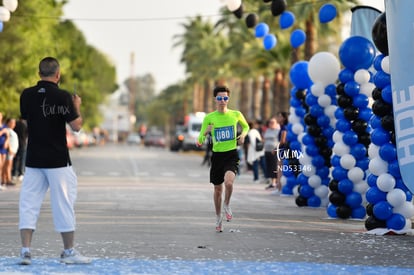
(227, 211)
(219, 224)
(26, 258)
(74, 258)
(275, 192)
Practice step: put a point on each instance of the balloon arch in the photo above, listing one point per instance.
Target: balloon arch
(342, 142)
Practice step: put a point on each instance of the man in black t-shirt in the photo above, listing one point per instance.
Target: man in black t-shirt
(46, 109)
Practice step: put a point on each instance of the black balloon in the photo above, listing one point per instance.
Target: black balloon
(364, 139)
(333, 185)
(251, 20)
(359, 126)
(337, 198)
(351, 113)
(321, 141)
(278, 7)
(340, 89)
(344, 101)
(239, 12)
(310, 120)
(377, 93)
(301, 201)
(387, 122)
(379, 34)
(343, 211)
(301, 94)
(325, 152)
(370, 209)
(372, 223)
(381, 108)
(314, 130)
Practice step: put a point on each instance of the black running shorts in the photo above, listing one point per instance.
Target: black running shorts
(221, 162)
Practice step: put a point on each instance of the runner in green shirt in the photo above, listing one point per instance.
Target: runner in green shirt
(222, 124)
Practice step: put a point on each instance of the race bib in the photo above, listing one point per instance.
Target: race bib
(224, 133)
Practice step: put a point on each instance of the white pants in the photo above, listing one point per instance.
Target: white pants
(63, 190)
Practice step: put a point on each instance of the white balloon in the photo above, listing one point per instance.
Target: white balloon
(356, 174)
(300, 136)
(396, 197)
(11, 5)
(318, 89)
(314, 181)
(324, 67)
(408, 224)
(361, 187)
(4, 14)
(297, 128)
(385, 64)
(385, 182)
(233, 5)
(330, 111)
(367, 89)
(308, 170)
(377, 166)
(347, 161)
(373, 151)
(337, 136)
(324, 202)
(324, 101)
(362, 76)
(406, 209)
(322, 191)
(340, 148)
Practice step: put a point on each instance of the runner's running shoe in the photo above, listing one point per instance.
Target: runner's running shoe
(74, 258)
(227, 210)
(26, 258)
(219, 224)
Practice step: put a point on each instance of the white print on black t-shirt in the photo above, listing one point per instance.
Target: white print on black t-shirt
(50, 110)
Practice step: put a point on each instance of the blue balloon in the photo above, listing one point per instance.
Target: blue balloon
(394, 169)
(286, 20)
(314, 201)
(336, 160)
(323, 172)
(291, 182)
(353, 199)
(365, 114)
(382, 210)
(311, 100)
(331, 210)
(297, 38)
(346, 75)
(269, 41)
(302, 179)
(286, 190)
(359, 151)
(327, 13)
(295, 145)
(396, 222)
(316, 110)
(377, 62)
(343, 125)
(363, 163)
(374, 195)
(300, 111)
(306, 191)
(331, 90)
(351, 88)
(388, 152)
(339, 113)
(323, 120)
(360, 101)
(345, 186)
(350, 137)
(379, 136)
(382, 79)
(328, 133)
(356, 53)
(312, 150)
(308, 140)
(299, 75)
(386, 94)
(318, 161)
(294, 102)
(359, 213)
(372, 180)
(261, 30)
(375, 121)
(339, 173)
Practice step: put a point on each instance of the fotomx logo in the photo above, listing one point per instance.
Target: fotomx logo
(283, 153)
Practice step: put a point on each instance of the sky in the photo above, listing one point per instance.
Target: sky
(144, 29)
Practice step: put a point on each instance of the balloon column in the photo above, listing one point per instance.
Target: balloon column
(317, 141)
(389, 200)
(5, 10)
(352, 135)
(298, 108)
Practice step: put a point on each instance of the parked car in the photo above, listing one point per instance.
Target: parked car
(156, 139)
(191, 131)
(133, 139)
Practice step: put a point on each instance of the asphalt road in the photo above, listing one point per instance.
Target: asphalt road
(150, 211)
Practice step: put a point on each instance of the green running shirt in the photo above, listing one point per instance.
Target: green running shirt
(224, 131)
